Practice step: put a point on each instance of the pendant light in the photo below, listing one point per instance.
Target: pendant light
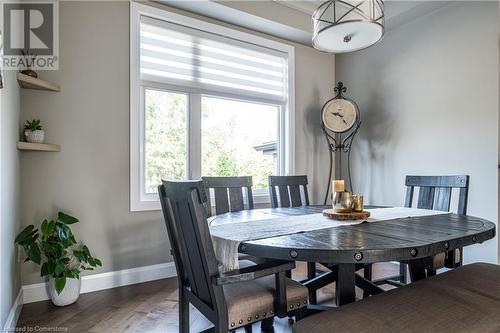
(347, 25)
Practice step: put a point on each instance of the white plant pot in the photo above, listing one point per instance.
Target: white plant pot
(37, 136)
(68, 295)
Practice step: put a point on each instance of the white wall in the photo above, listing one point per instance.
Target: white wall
(428, 95)
(90, 119)
(9, 193)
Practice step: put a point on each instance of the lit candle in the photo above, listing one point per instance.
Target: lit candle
(338, 186)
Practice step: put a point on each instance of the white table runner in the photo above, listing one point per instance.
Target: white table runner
(226, 238)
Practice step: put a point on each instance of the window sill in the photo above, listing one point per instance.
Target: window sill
(145, 206)
(154, 205)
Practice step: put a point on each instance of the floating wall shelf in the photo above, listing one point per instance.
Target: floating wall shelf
(38, 146)
(28, 82)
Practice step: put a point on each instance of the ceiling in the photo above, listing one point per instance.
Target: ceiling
(393, 8)
(306, 7)
(291, 19)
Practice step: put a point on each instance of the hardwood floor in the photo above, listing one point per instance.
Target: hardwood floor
(146, 307)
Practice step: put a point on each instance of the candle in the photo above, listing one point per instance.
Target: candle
(338, 186)
(358, 203)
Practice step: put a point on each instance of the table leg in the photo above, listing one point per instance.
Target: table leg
(419, 267)
(319, 282)
(311, 274)
(346, 287)
(367, 274)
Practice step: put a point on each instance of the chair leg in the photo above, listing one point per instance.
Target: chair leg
(248, 328)
(219, 329)
(367, 274)
(266, 325)
(461, 254)
(311, 274)
(403, 272)
(183, 311)
(300, 314)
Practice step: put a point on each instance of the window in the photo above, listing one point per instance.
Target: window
(205, 101)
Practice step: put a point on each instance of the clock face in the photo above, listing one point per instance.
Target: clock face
(339, 115)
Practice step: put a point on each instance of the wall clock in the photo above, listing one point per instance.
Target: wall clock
(339, 115)
(340, 121)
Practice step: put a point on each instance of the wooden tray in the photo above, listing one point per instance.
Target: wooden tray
(332, 214)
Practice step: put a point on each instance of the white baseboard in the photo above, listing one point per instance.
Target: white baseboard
(15, 311)
(39, 291)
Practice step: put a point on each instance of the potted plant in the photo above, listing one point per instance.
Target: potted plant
(29, 60)
(54, 247)
(33, 131)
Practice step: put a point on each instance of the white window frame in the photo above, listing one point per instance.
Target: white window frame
(140, 201)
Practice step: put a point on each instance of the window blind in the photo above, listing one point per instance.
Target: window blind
(178, 55)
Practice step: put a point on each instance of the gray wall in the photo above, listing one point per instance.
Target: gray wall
(9, 193)
(90, 119)
(428, 95)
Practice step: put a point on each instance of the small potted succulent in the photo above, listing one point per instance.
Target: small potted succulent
(29, 60)
(62, 259)
(33, 131)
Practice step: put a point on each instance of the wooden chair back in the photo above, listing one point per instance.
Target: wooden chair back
(289, 191)
(435, 192)
(228, 193)
(192, 249)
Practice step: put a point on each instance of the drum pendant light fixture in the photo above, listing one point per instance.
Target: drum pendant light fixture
(347, 25)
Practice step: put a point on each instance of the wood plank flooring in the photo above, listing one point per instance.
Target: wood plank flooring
(143, 308)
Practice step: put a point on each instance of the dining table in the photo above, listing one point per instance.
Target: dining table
(412, 239)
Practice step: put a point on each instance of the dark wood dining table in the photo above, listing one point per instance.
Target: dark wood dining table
(413, 240)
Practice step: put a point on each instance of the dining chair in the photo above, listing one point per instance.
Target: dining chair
(228, 193)
(289, 190)
(229, 300)
(435, 193)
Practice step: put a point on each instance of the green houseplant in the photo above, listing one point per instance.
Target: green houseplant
(33, 131)
(62, 259)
